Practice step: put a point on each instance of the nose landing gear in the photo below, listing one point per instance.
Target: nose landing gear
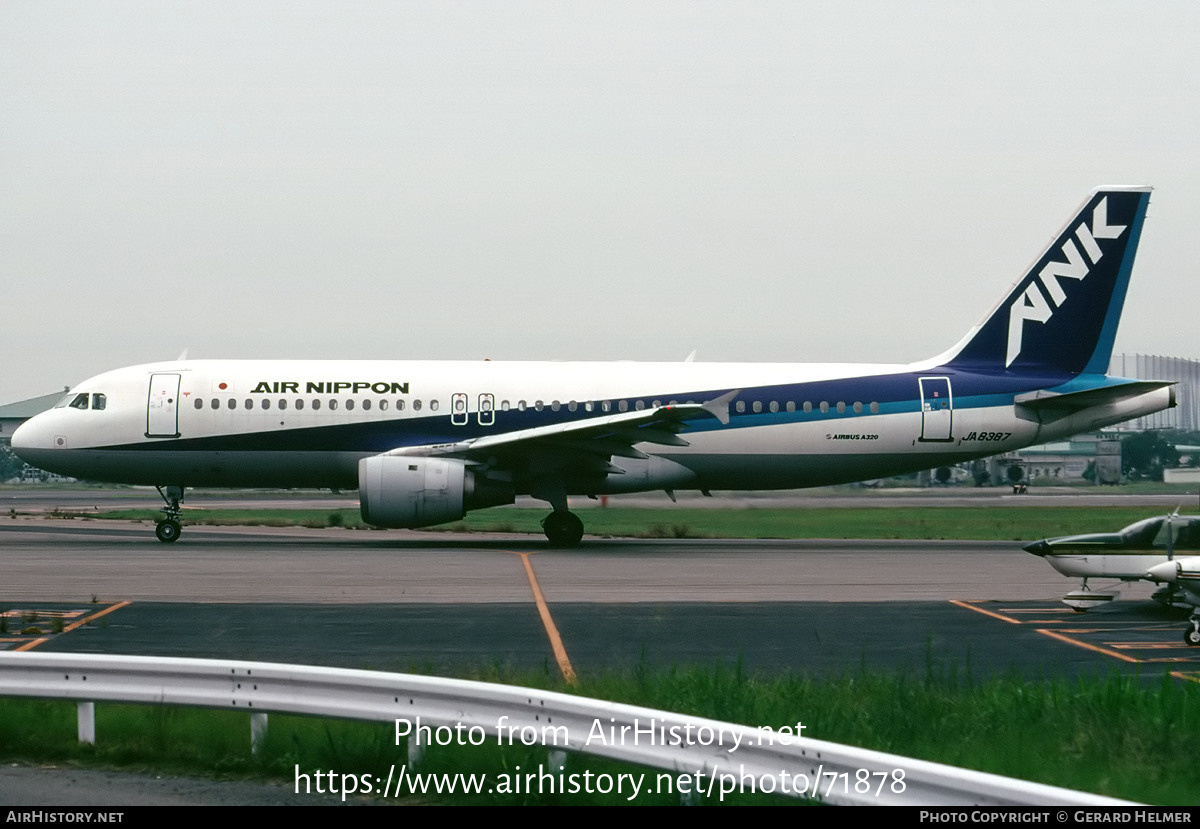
(168, 528)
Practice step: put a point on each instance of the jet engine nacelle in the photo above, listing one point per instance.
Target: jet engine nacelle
(398, 491)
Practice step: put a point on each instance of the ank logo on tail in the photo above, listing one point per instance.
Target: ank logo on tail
(1061, 317)
(1032, 304)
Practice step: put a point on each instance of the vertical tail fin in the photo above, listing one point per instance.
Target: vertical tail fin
(1062, 316)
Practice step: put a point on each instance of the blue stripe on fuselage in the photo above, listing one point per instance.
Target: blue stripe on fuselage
(894, 393)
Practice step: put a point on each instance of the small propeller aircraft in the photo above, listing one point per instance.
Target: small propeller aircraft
(1184, 574)
(1145, 550)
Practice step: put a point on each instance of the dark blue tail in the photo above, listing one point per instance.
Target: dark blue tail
(1062, 316)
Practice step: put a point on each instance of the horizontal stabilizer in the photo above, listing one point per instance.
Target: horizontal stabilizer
(1048, 401)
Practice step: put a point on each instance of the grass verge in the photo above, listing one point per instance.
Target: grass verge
(966, 522)
(1120, 736)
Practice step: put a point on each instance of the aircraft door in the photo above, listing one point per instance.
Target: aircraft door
(937, 409)
(458, 409)
(162, 406)
(487, 409)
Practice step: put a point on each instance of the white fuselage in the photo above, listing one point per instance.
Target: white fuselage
(309, 423)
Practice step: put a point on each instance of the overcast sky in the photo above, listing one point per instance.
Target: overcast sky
(754, 180)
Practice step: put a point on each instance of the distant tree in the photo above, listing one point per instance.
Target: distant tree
(10, 464)
(1145, 454)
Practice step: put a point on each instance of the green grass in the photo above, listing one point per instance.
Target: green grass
(966, 522)
(1120, 736)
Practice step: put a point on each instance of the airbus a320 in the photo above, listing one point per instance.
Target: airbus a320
(425, 442)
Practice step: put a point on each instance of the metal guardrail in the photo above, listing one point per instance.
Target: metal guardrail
(561, 722)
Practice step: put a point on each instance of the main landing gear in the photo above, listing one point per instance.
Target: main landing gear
(1191, 636)
(563, 529)
(169, 526)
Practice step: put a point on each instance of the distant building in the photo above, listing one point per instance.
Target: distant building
(13, 415)
(1069, 460)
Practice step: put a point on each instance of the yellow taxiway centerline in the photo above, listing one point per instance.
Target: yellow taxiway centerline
(556, 643)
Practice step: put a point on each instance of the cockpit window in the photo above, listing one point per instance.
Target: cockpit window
(99, 401)
(1143, 532)
(80, 401)
(1182, 535)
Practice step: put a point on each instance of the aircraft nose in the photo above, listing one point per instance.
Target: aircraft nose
(31, 441)
(1038, 548)
(1167, 571)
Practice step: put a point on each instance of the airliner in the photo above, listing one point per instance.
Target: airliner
(425, 442)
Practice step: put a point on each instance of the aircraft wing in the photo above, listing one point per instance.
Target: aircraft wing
(593, 439)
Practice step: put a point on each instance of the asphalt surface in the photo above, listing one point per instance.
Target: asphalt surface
(435, 602)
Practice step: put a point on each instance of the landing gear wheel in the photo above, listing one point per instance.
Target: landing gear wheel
(167, 531)
(169, 526)
(1191, 636)
(563, 529)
